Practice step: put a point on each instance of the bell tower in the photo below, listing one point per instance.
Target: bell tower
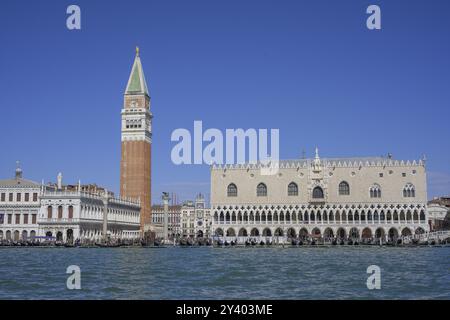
(135, 164)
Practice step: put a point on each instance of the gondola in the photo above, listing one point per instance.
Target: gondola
(101, 245)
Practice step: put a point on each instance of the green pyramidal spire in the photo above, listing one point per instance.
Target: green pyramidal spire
(136, 82)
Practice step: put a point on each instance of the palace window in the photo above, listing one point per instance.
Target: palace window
(317, 193)
(49, 212)
(375, 191)
(35, 195)
(19, 197)
(344, 189)
(261, 190)
(232, 190)
(3, 197)
(60, 212)
(292, 189)
(11, 197)
(27, 197)
(409, 191)
(70, 212)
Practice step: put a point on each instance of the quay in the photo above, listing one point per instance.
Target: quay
(437, 238)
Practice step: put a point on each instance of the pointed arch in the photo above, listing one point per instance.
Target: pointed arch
(303, 233)
(267, 232)
(261, 190)
(375, 191)
(291, 233)
(354, 233)
(409, 191)
(344, 188)
(318, 193)
(242, 232)
(254, 232)
(231, 232)
(366, 233)
(278, 232)
(232, 190)
(406, 232)
(292, 189)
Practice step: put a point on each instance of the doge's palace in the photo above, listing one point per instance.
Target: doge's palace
(347, 198)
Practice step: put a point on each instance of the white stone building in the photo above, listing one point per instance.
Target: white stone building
(68, 215)
(437, 214)
(196, 219)
(344, 198)
(174, 220)
(29, 210)
(19, 207)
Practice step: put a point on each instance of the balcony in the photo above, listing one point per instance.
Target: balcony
(58, 220)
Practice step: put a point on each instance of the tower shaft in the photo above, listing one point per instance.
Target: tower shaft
(135, 164)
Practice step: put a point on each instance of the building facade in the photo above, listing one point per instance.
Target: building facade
(438, 216)
(29, 210)
(442, 201)
(330, 198)
(174, 220)
(196, 219)
(70, 215)
(135, 164)
(19, 208)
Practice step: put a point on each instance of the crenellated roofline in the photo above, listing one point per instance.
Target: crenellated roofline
(325, 163)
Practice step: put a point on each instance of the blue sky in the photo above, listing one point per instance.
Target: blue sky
(310, 68)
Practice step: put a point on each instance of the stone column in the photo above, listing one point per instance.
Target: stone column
(165, 198)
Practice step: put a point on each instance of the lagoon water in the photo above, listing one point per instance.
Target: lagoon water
(225, 273)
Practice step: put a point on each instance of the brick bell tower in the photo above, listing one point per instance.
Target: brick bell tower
(135, 164)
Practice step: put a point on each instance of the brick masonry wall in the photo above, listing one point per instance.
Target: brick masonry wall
(135, 175)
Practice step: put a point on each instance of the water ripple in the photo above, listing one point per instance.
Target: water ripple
(225, 273)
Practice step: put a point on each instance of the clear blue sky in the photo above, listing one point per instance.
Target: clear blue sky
(310, 68)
